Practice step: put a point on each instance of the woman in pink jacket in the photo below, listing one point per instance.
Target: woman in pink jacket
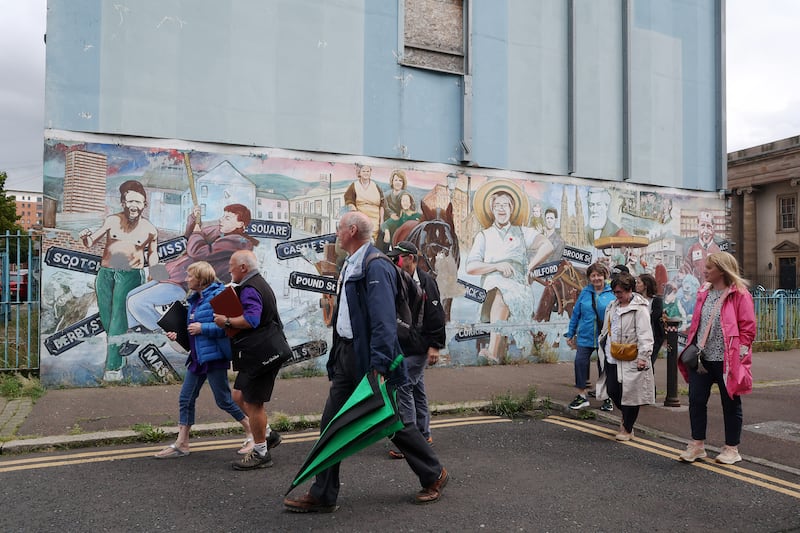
(724, 326)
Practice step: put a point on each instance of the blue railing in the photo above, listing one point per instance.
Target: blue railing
(19, 301)
(777, 314)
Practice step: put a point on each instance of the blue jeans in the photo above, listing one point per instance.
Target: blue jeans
(412, 402)
(192, 383)
(700, 391)
(583, 357)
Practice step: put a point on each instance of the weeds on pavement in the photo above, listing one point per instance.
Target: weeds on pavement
(148, 433)
(16, 386)
(508, 405)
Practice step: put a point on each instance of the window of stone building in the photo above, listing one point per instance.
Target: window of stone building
(433, 34)
(787, 212)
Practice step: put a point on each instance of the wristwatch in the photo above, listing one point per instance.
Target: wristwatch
(227, 321)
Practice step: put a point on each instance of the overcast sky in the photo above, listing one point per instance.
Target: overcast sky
(763, 68)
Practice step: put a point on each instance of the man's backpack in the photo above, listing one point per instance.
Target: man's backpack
(409, 308)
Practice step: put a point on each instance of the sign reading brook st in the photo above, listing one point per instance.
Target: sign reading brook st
(310, 282)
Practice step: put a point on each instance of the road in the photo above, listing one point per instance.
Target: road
(550, 474)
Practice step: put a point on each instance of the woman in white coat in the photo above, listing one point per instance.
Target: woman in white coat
(629, 383)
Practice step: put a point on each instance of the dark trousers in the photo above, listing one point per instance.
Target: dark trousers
(629, 412)
(700, 391)
(583, 356)
(418, 454)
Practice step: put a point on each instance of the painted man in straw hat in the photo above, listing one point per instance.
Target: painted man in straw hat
(503, 254)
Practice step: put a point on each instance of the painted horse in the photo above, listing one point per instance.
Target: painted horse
(560, 292)
(435, 237)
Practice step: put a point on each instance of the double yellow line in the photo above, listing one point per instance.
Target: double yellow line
(77, 458)
(732, 471)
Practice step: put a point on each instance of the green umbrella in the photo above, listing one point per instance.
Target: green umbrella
(369, 415)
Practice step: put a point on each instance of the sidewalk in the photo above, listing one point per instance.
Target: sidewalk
(75, 417)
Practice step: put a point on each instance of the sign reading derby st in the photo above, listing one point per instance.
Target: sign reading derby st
(310, 282)
(291, 249)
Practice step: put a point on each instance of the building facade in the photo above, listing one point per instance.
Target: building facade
(599, 122)
(763, 182)
(29, 208)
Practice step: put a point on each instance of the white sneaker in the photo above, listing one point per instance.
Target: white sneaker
(692, 453)
(729, 455)
(112, 375)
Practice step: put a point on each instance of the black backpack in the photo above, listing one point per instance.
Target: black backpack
(409, 308)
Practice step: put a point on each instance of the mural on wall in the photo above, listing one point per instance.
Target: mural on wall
(509, 251)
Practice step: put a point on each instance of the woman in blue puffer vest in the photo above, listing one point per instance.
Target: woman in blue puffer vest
(584, 327)
(209, 358)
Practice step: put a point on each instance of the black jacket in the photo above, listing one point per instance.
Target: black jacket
(432, 327)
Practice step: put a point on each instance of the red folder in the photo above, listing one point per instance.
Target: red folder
(227, 303)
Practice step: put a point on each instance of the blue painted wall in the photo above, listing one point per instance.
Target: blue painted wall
(324, 77)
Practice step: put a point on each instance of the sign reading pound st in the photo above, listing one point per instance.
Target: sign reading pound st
(310, 282)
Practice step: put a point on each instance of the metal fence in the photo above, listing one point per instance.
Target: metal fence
(777, 314)
(19, 301)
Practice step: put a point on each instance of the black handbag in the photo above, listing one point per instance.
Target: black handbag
(261, 351)
(690, 356)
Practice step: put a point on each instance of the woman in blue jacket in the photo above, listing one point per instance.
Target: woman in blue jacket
(209, 358)
(584, 327)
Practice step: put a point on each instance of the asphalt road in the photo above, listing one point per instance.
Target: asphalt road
(553, 474)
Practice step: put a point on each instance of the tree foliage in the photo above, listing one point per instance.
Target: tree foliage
(8, 209)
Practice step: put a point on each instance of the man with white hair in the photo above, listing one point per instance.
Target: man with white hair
(695, 261)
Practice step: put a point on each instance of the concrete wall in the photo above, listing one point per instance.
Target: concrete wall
(325, 76)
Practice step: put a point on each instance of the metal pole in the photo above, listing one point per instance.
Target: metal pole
(671, 326)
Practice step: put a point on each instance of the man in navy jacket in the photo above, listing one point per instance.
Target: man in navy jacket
(365, 340)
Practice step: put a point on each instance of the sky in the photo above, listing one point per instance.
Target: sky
(763, 103)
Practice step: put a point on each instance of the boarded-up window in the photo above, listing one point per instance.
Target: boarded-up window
(434, 35)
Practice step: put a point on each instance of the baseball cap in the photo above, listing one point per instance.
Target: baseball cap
(403, 247)
(618, 269)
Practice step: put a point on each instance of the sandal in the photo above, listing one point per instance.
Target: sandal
(396, 454)
(247, 446)
(171, 452)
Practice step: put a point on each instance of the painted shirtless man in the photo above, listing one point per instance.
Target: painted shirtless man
(131, 244)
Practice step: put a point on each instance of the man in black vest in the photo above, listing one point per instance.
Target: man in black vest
(252, 392)
(428, 319)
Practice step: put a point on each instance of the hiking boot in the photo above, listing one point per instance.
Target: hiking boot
(579, 402)
(692, 453)
(253, 461)
(607, 406)
(729, 455)
(274, 440)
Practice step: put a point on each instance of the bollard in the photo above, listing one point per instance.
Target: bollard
(671, 326)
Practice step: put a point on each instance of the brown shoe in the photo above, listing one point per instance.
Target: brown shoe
(434, 492)
(307, 504)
